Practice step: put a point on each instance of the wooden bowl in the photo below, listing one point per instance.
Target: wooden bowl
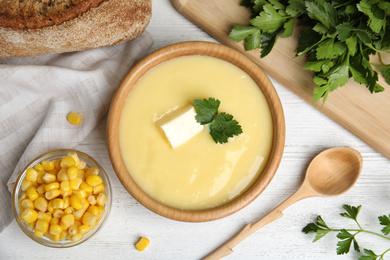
(184, 49)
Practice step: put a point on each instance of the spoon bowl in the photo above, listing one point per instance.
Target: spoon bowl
(331, 173)
(334, 171)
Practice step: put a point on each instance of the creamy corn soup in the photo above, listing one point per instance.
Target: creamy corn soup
(198, 174)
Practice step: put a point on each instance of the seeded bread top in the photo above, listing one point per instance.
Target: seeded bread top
(33, 14)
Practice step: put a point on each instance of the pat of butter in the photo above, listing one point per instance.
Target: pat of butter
(180, 125)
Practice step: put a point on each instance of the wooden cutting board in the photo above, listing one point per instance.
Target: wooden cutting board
(364, 114)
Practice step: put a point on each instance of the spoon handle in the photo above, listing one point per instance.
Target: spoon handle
(304, 191)
(249, 229)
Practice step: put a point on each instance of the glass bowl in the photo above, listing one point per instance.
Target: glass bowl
(45, 240)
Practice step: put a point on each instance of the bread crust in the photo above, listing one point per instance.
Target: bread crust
(112, 22)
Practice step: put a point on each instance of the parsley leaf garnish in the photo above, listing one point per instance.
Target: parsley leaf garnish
(338, 37)
(347, 237)
(222, 126)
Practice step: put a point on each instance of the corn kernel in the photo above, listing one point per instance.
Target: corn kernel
(29, 215)
(32, 193)
(25, 185)
(89, 219)
(75, 202)
(54, 221)
(75, 183)
(66, 194)
(101, 199)
(82, 165)
(64, 186)
(26, 204)
(51, 194)
(94, 210)
(82, 194)
(101, 212)
(67, 220)
(42, 225)
(54, 238)
(38, 233)
(75, 158)
(41, 189)
(74, 229)
(81, 174)
(48, 178)
(63, 235)
(58, 204)
(31, 225)
(79, 214)
(83, 229)
(50, 206)
(76, 237)
(39, 177)
(67, 162)
(67, 202)
(85, 186)
(93, 180)
(72, 172)
(85, 203)
(99, 188)
(142, 244)
(91, 199)
(31, 175)
(69, 210)
(44, 216)
(41, 204)
(48, 165)
(38, 167)
(74, 118)
(62, 175)
(91, 171)
(52, 186)
(58, 213)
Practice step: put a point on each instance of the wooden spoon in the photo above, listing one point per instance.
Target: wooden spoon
(331, 173)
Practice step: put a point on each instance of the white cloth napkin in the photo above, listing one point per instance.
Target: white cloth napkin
(37, 93)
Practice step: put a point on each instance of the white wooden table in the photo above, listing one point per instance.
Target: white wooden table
(308, 133)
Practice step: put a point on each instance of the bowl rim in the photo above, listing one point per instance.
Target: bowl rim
(91, 233)
(186, 49)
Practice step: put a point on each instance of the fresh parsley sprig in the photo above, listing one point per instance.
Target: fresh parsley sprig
(338, 37)
(347, 237)
(222, 126)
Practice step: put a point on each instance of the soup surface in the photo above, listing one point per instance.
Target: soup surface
(198, 174)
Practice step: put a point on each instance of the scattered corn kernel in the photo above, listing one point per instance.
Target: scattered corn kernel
(85, 186)
(142, 244)
(44, 216)
(74, 118)
(82, 165)
(91, 199)
(82, 194)
(55, 229)
(58, 213)
(83, 229)
(91, 171)
(54, 221)
(101, 199)
(58, 204)
(75, 202)
(99, 188)
(38, 167)
(75, 183)
(25, 185)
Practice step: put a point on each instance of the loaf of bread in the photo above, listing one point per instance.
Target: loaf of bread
(69, 25)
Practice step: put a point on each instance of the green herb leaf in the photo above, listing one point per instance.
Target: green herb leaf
(269, 21)
(385, 221)
(206, 110)
(370, 255)
(222, 126)
(240, 32)
(351, 212)
(386, 73)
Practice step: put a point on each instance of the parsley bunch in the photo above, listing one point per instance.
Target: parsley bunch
(348, 236)
(338, 37)
(222, 125)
